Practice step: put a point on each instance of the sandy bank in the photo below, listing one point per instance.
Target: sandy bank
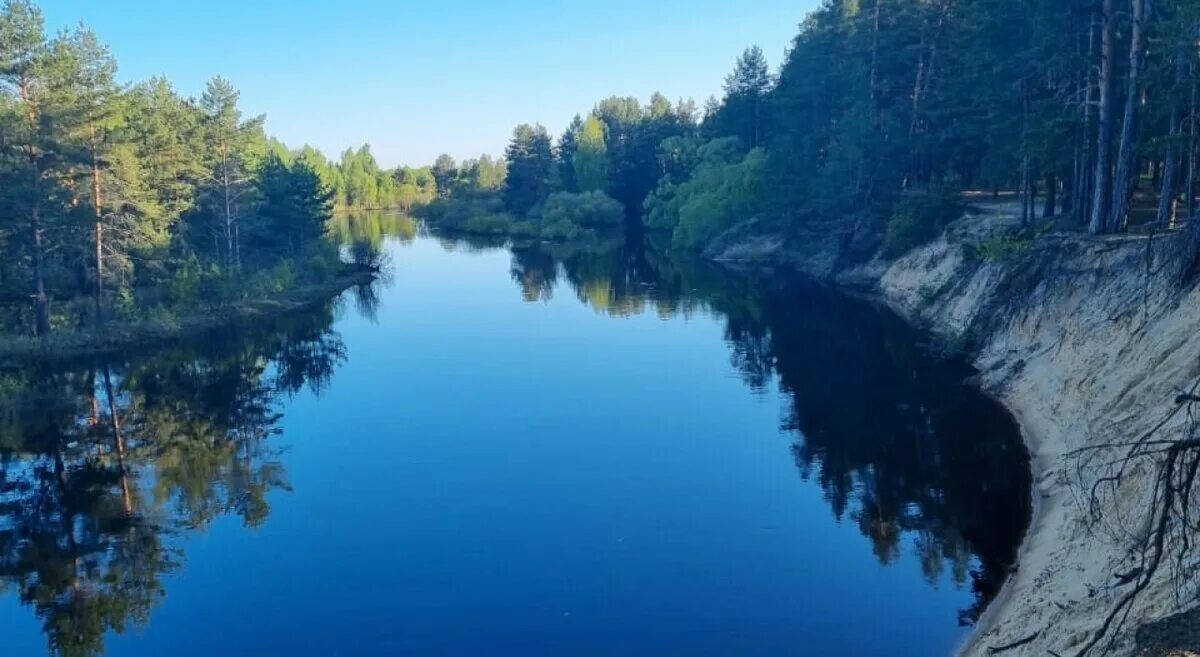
(1087, 346)
(1087, 341)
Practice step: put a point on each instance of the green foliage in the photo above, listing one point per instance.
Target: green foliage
(565, 154)
(919, 218)
(614, 152)
(564, 230)
(633, 134)
(531, 170)
(453, 213)
(490, 224)
(137, 197)
(481, 175)
(724, 188)
(588, 209)
(743, 112)
(184, 287)
(445, 172)
(295, 207)
(591, 157)
(1002, 247)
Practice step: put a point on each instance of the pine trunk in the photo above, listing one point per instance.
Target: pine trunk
(228, 207)
(874, 79)
(41, 301)
(1051, 196)
(1098, 224)
(99, 232)
(1191, 152)
(1024, 196)
(1123, 178)
(1084, 160)
(1068, 191)
(1166, 197)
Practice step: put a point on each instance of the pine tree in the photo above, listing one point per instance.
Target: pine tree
(565, 154)
(97, 96)
(230, 162)
(531, 169)
(295, 207)
(743, 112)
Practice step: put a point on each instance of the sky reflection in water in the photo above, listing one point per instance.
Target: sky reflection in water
(528, 450)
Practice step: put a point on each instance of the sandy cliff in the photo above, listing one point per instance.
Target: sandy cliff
(1088, 342)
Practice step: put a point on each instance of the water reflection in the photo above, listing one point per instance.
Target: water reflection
(107, 465)
(898, 443)
(104, 464)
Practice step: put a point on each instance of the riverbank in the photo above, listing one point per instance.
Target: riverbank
(1086, 341)
(115, 336)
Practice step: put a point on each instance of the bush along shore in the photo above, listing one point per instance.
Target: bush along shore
(168, 323)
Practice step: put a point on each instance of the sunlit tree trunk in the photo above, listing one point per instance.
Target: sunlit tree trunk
(228, 204)
(98, 208)
(41, 301)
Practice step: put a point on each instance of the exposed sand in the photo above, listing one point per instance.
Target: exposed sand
(1084, 348)
(1087, 341)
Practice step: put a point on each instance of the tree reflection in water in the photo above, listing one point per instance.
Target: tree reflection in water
(105, 463)
(897, 441)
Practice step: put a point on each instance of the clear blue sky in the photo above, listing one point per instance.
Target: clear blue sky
(418, 78)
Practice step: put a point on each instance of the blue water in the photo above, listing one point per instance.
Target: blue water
(635, 458)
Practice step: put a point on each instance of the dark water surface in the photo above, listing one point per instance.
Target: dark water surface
(560, 451)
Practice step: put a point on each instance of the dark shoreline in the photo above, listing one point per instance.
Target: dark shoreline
(70, 344)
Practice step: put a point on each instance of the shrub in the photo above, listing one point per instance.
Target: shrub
(588, 209)
(1002, 247)
(186, 281)
(918, 218)
(523, 229)
(717, 197)
(490, 224)
(322, 263)
(565, 230)
(454, 213)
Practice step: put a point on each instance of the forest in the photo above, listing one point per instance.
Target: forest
(121, 200)
(882, 114)
(134, 204)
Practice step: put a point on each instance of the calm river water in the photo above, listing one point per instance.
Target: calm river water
(516, 451)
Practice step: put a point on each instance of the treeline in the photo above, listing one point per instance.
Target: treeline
(595, 176)
(1085, 108)
(133, 202)
(357, 182)
(884, 111)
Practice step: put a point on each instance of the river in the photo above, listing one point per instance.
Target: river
(512, 450)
